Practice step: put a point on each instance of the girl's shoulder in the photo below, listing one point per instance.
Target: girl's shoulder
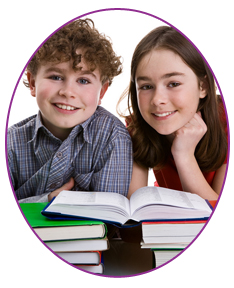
(223, 119)
(222, 111)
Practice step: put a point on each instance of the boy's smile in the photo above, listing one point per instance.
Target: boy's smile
(66, 97)
(65, 107)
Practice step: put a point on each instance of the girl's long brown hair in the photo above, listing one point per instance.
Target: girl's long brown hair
(152, 150)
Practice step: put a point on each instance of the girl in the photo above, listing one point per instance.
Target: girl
(177, 122)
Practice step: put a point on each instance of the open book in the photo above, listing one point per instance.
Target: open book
(145, 204)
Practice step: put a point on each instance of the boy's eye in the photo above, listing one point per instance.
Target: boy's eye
(83, 81)
(173, 84)
(55, 77)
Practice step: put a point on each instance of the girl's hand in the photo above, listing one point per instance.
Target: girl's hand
(188, 136)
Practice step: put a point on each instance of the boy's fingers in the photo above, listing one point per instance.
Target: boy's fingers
(68, 185)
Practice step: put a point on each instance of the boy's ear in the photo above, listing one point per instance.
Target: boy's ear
(103, 91)
(31, 82)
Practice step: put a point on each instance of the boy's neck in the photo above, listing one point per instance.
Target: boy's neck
(59, 133)
(62, 135)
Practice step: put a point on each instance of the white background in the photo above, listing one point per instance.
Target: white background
(24, 25)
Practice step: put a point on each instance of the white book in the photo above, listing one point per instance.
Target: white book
(79, 245)
(81, 258)
(171, 229)
(147, 203)
(163, 245)
(168, 239)
(97, 269)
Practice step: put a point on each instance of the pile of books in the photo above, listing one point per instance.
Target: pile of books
(168, 238)
(171, 220)
(77, 242)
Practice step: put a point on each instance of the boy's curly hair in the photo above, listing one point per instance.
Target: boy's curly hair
(80, 34)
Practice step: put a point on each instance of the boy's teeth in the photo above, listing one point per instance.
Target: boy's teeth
(163, 114)
(61, 106)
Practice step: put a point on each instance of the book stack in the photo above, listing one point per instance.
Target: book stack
(168, 238)
(78, 242)
(147, 204)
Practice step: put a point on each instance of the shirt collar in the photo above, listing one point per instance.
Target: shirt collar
(39, 125)
(85, 125)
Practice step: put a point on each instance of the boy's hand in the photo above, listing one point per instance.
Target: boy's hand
(67, 186)
(187, 137)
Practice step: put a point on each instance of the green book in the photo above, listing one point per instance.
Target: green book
(53, 230)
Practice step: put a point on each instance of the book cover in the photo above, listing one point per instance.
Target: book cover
(48, 229)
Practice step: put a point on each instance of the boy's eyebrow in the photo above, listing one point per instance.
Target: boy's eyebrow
(60, 70)
(84, 72)
(54, 69)
(167, 75)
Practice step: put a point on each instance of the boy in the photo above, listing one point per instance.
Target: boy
(73, 143)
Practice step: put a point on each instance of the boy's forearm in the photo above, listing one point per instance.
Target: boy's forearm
(115, 175)
(34, 199)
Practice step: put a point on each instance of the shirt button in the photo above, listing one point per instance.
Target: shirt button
(59, 154)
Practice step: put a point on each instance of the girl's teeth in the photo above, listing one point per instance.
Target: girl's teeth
(65, 107)
(163, 114)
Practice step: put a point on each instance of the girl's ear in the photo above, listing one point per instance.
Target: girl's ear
(31, 82)
(203, 88)
(103, 91)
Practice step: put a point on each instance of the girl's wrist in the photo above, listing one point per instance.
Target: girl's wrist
(183, 157)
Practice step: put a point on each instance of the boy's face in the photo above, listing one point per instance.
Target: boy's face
(66, 97)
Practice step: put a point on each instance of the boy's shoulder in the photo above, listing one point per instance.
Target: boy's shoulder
(24, 128)
(108, 123)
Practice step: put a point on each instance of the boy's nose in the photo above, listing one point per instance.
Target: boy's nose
(159, 97)
(68, 90)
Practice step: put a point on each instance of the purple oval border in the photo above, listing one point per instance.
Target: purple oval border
(8, 114)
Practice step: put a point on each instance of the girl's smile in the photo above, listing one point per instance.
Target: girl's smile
(168, 91)
(163, 115)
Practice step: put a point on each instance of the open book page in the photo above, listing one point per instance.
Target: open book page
(158, 195)
(74, 198)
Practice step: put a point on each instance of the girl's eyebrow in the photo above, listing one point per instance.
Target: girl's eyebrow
(143, 78)
(165, 76)
(168, 75)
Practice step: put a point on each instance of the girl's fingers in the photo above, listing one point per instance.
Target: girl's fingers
(196, 123)
(197, 120)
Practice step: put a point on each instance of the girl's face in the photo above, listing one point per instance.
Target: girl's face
(168, 91)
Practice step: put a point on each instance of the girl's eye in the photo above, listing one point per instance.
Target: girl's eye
(173, 84)
(146, 87)
(83, 81)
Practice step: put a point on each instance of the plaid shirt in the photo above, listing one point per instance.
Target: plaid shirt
(97, 154)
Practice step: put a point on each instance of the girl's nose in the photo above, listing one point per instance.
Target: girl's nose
(159, 97)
